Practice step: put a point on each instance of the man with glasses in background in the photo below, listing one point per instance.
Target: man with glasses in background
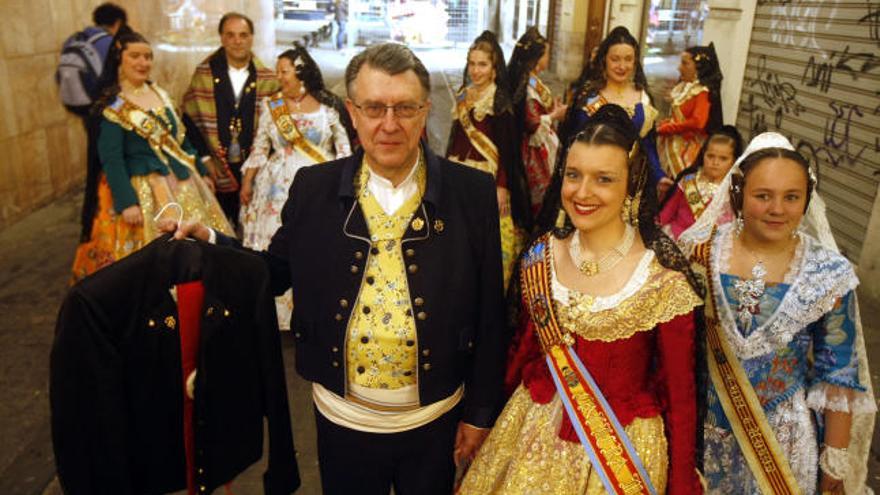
(393, 255)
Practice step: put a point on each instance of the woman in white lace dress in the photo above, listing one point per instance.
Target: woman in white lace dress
(302, 125)
(786, 350)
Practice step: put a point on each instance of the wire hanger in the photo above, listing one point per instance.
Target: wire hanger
(179, 218)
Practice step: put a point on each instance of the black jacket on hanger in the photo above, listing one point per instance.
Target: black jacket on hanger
(115, 377)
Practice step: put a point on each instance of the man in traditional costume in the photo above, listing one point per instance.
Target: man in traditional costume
(394, 258)
(220, 107)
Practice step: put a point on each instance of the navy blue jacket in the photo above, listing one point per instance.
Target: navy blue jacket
(453, 271)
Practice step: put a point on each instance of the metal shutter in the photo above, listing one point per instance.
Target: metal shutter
(813, 74)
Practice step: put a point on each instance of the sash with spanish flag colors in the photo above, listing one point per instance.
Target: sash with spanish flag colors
(288, 129)
(752, 431)
(609, 449)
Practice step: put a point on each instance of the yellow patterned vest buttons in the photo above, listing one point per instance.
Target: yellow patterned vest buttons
(381, 339)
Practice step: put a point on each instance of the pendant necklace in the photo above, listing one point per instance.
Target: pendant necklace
(297, 100)
(706, 187)
(592, 267)
(749, 292)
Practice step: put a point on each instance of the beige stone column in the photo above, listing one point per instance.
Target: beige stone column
(729, 26)
(627, 13)
(43, 145)
(568, 50)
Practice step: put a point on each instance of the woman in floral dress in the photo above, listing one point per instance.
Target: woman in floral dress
(301, 126)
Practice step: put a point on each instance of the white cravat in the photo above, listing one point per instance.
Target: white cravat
(238, 77)
(391, 198)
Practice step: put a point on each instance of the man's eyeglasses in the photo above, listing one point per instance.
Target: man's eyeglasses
(401, 110)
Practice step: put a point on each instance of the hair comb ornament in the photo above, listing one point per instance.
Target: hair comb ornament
(634, 150)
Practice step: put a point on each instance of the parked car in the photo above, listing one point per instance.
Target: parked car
(308, 10)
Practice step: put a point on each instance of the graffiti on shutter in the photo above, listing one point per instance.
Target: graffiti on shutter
(813, 74)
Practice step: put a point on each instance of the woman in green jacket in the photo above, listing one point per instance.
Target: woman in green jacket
(146, 164)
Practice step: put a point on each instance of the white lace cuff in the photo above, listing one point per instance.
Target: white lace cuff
(256, 161)
(824, 396)
(835, 462)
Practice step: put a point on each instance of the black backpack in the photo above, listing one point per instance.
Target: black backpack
(78, 71)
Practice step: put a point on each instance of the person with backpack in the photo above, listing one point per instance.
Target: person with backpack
(82, 59)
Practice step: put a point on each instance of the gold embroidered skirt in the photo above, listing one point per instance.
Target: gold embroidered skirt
(678, 152)
(112, 238)
(524, 454)
(512, 243)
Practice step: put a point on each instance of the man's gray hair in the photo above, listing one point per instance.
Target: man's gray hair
(390, 58)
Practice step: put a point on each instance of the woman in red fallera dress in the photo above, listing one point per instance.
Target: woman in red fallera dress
(696, 111)
(603, 293)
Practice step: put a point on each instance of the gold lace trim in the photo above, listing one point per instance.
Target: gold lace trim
(684, 91)
(664, 295)
(483, 106)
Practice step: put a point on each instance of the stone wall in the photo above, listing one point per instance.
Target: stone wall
(570, 33)
(44, 146)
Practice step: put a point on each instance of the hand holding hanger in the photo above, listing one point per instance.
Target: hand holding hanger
(182, 230)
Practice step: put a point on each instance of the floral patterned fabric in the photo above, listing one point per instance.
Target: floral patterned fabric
(381, 339)
(688, 201)
(463, 151)
(277, 162)
(792, 390)
(540, 143)
(111, 238)
(680, 137)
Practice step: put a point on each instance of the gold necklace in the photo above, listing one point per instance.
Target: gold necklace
(592, 267)
(137, 91)
(297, 100)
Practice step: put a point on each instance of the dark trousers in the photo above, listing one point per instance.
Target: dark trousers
(230, 202)
(414, 462)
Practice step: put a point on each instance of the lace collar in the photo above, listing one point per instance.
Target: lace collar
(482, 106)
(652, 295)
(817, 277)
(684, 91)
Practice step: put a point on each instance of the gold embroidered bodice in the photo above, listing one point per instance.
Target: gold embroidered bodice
(653, 295)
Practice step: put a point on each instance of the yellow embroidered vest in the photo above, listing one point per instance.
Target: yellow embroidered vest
(381, 340)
